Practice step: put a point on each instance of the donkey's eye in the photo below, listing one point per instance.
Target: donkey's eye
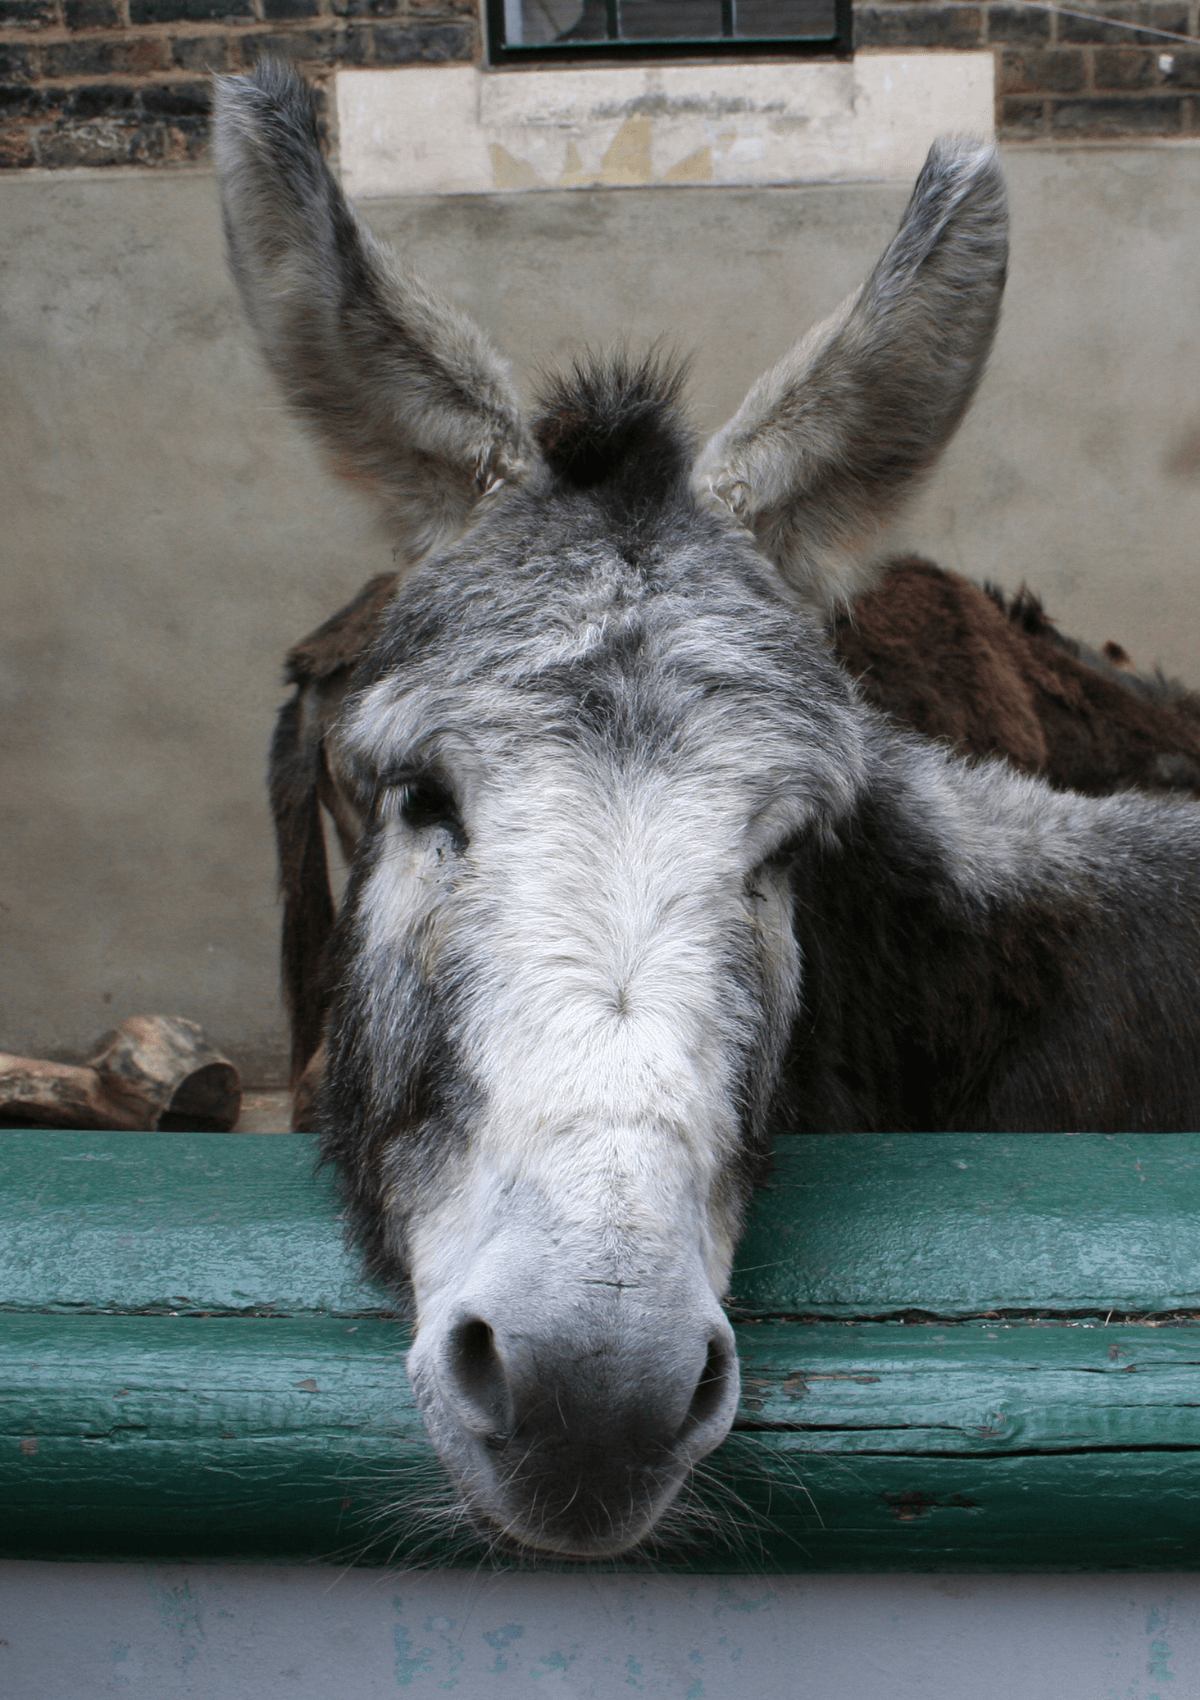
(780, 859)
(427, 801)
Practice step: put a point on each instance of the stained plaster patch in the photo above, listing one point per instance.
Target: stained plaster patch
(460, 130)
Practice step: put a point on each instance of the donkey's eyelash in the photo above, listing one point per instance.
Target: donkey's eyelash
(397, 778)
(424, 800)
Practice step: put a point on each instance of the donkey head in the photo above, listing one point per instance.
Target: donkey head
(599, 722)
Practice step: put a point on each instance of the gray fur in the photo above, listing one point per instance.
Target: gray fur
(403, 392)
(829, 444)
(642, 882)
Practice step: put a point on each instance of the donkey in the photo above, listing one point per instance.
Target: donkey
(989, 673)
(640, 881)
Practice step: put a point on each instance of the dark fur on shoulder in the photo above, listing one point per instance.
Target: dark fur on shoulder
(335, 649)
(916, 1016)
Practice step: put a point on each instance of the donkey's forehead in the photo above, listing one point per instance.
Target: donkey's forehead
(548, 609)
(685, 652)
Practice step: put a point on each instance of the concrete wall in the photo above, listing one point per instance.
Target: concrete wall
(226, 1632)
(166, 533)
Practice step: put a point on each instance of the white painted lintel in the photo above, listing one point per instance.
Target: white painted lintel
(456, 129)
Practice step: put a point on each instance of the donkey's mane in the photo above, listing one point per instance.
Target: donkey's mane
(615, 425)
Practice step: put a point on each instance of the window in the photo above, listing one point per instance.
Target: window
(523, 30)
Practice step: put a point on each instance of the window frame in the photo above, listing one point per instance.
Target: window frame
(839, 45)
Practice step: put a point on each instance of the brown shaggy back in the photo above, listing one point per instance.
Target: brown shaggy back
(994, 677)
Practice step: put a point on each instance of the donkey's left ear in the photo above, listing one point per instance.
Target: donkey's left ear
(828, 445)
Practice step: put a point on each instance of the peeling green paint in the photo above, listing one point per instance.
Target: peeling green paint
(502, 1638)
(179, 1609)
(1016, 1442)
(408, 1664)
(1159, 1650)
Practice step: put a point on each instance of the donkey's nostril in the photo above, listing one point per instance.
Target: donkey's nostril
(476, 1377)
(712, 1390)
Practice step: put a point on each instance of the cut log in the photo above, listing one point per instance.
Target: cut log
(168, 1063)
(46, 1094)
(152, 1073)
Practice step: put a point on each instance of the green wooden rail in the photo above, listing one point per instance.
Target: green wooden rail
(960, 1352)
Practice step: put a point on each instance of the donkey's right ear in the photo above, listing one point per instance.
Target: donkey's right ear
(405, 394)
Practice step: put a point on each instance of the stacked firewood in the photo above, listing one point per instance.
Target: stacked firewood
(152, 1072)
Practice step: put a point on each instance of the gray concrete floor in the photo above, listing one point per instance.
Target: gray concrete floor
(265, 1112)
(224, 1632)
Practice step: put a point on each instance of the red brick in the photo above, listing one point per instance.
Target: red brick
(308, 47)
(1020, 120)
(16, 147)
(1017, 23)
(101, 56)
(918, 26)
(1126, 68)
(1186, 71)
(1145, 115)
(1169, 15)
(204, 53)
(1055, 70)
(92, 15)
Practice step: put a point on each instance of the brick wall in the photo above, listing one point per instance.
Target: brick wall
(123, 82)
(1062, 78)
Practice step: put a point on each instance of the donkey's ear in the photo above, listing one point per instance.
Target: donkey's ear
(827, 446)
(405, 393)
